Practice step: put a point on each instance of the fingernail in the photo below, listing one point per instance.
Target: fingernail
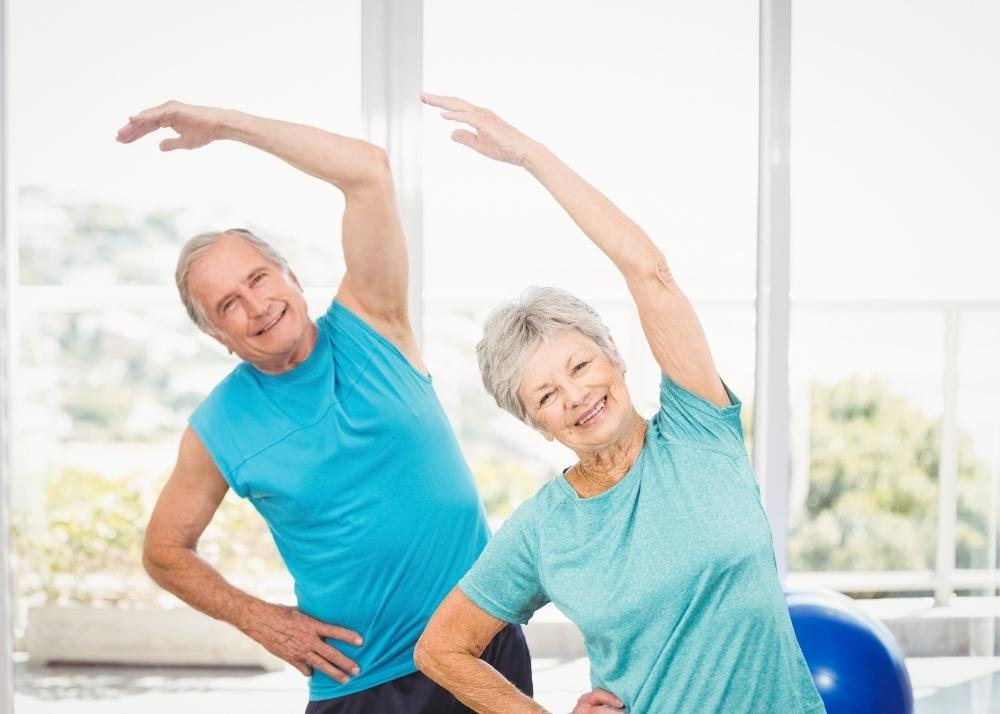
(358, 641)
(355, 670)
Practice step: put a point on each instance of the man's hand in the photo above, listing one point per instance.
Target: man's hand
(298, 639)
(599, 701)
(195, 126)
(493, 137)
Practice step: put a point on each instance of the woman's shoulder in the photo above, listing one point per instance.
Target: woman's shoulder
(543, 504)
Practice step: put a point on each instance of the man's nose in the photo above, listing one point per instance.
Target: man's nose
(256, 304)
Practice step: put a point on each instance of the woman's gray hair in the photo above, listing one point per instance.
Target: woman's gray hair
(198, 246)
(515, 329)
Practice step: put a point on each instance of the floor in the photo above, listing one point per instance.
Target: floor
(942, 685)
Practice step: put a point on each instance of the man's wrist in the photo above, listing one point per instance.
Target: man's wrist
(248, 614)
(230, 124)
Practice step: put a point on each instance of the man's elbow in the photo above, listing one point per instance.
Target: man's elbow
(151, 559)
(157, 559)
(377, 171)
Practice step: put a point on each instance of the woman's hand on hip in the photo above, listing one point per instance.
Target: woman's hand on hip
(598, 701)
(493, 137)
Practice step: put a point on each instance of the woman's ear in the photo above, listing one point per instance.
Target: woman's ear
(616, 356)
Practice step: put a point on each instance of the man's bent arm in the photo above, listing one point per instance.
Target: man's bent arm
(184, 509)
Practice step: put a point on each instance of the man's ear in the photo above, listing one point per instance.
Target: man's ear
(218, 338)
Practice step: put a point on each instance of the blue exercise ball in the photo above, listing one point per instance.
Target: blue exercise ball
(855, 662)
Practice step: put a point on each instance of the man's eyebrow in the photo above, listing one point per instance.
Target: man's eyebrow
(222, 301)
(248, 278)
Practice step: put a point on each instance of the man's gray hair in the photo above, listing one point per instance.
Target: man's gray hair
(514, 330)
(198, 246)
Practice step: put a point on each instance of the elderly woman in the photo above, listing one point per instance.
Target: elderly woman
(654, 543)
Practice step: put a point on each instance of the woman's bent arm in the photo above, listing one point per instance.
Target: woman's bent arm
(448, 652)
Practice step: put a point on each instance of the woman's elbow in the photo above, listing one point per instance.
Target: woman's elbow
(426, 654)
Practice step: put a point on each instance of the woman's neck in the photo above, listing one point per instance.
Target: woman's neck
(599, 470)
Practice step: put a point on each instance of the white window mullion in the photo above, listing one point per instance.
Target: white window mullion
(771, 407)
(391, 82)
(948, 468)
(6, 353)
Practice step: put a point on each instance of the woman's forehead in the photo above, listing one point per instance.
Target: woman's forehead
(551, 355)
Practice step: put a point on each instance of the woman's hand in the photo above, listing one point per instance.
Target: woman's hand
(493, 137)
(195, 126)
(599, 701)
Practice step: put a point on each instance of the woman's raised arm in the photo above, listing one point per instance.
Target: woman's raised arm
(675, 335)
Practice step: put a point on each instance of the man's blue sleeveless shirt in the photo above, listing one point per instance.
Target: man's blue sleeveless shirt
(351, 461)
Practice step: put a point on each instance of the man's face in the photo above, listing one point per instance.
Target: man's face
(258, 312)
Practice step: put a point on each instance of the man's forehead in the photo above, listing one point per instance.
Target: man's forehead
(228, 260)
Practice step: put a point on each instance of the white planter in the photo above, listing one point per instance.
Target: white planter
(179, 637)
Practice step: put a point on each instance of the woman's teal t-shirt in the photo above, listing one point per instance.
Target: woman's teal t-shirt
(669, 575)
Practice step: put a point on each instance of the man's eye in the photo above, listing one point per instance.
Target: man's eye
(257, 278)
(580, 366)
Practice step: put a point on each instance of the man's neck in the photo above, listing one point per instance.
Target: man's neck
(288, 363)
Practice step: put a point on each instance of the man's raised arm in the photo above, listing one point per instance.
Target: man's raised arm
(375, 284)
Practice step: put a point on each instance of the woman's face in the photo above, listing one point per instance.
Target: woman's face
(575, 394)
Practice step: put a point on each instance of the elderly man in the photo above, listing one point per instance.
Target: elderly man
(332, 430)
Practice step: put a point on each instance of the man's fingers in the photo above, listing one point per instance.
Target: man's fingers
(339, 633)
(337, 658)
(171, 144)
(136, 128)
(303, 668)
(328, 669)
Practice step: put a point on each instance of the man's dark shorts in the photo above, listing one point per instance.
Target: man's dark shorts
(416, 694)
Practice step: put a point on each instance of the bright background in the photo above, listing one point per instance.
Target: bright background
(895, 241)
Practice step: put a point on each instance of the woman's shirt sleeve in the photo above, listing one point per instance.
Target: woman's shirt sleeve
(504, 581)
(690, 419)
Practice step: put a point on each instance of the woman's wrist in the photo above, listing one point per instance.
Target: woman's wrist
(534, 156)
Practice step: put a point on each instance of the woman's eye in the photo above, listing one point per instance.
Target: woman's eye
(257, 278)
(545, 398)
(229, 304)
(580, 366)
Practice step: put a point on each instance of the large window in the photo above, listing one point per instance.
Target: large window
(654, 103)
(894, 349)
(107, 365)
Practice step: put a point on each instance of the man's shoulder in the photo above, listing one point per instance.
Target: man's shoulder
(229, 394)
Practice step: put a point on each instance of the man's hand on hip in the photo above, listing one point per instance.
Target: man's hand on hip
(298, 639)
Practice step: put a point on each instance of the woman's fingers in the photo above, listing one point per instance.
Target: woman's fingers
(450, 103)
(463, 136)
